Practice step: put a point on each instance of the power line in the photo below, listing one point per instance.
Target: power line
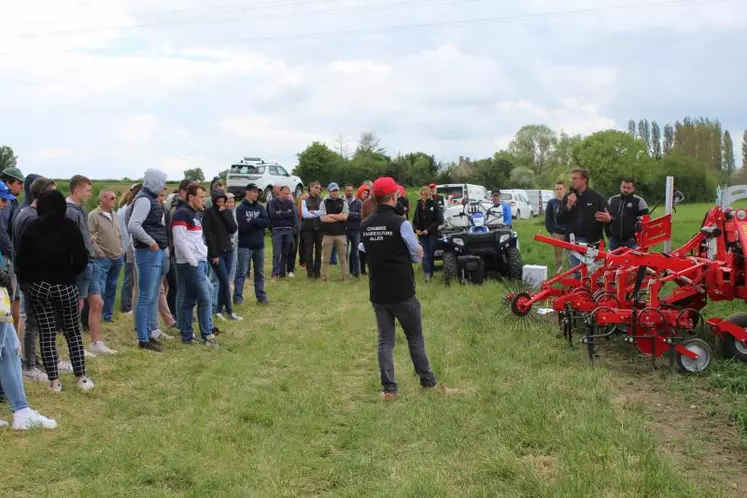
(513, 19)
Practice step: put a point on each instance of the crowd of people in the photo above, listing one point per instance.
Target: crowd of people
(194, 248)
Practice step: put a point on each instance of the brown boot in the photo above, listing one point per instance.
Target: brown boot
(442, 389)
(388, 396)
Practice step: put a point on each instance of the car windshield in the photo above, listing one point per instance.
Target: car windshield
(455, 192)
(245, 169)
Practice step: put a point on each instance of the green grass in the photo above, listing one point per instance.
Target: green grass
(289, 407)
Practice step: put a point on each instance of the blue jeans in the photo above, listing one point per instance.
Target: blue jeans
(333, 256)
(88, 281)
(246, 258)
(354, 238)
(214, 284)
(221, 271)
(234, 264)
(149, 273)
(11, 378)
(428, 242)
(107, 271)
(125, 294)
(196, 290)
(615, 244)
(282, 243)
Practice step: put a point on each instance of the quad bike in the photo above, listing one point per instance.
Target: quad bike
(486, 244)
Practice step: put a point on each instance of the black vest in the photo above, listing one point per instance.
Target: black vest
(391, 277)
(154, 222)
(312, 224)
(334, 206)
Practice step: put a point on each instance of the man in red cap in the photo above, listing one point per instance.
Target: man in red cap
(391, 248)
(434, 191)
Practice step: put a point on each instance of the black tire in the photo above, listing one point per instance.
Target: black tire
(687, 365)
(267, 195)
(732, 347)
(298, 192)
(515, 265)
(451, 270)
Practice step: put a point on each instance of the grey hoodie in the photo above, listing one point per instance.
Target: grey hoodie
(154, 181)
(80, 217)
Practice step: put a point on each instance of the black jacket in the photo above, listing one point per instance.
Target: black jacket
(218, 226)
(551, 217)
(283, 214)
(427, 217)
(625, 211)
(53, 253)
(252, 219)
(580, 220)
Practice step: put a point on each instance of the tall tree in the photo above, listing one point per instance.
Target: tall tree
(341, 144)
(369, 143)
(533, 146)
(632, 128)
(7, 158)
(668, 144)
(729, 164)
(194, 174)
(319, 163)
(655, 149)
(644, 133)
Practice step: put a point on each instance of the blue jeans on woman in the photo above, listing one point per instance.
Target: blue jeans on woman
(149, 274)
(11, 378)
(222, 269)
(108, 273)
(428, 242)
(196, 289)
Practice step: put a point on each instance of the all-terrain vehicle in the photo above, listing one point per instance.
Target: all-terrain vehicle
(485, 245)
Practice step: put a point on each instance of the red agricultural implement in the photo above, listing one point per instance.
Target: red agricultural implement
(654, 299)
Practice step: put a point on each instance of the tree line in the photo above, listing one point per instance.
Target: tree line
(697, 152)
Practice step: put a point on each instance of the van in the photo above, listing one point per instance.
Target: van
(453, 193)
(538, 199)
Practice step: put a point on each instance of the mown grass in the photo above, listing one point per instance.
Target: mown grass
(289, 407)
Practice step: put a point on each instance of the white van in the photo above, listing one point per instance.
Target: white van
(538, 199)
(453, 193)
(519, 202)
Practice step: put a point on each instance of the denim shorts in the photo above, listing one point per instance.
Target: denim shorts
(88, 281)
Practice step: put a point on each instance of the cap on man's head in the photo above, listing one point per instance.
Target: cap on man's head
(251, 186)
(431, 185)
(5, 192)
(495, 192)
(333, 186)
(14, 173)
(384, 186)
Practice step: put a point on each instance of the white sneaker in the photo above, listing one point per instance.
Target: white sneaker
(57, 388)
(100, 348)
(35, 374)
(85, 384)
(235, 317)
(3, 423)
(26, 419)
(291, 274)
(158, 334)
(88, 354)
(220, 316)
(64, 366)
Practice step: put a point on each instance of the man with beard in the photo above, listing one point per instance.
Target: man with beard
(625, 209)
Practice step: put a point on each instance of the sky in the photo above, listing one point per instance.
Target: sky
(109, 88)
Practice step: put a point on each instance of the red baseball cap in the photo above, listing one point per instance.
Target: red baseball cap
(431, 185)
(384, 186)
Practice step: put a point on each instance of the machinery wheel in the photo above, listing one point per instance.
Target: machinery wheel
(702, 349)
(451, 271)
(515, 266)
(732, 347)
(268, 194)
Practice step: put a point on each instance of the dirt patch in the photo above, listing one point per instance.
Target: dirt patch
(544, 466)
(693, 425)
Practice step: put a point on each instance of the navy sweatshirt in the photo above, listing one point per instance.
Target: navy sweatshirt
(252, 220)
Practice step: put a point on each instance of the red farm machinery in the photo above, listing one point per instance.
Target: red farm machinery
(653, 299)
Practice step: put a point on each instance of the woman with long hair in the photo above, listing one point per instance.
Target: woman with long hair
(52, 253)
(426, 220)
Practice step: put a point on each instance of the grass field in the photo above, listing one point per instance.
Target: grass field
(289, 406)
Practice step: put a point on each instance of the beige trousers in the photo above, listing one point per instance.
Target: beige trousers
(341, 242)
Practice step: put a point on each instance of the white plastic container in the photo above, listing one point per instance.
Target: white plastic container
(534, 275)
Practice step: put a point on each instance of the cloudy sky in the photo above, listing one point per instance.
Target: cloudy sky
(108, 88)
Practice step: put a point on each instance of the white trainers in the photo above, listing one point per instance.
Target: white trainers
(35, 374)
(56, 388)
(158, 334)
(88, 354)
(64, 366)
(220, 316)
(291, 274)
(3, 423)
(235, 317)
(27, 418)
(85, 384)
(100, 348)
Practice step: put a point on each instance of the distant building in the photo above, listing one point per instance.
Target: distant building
(464, 167)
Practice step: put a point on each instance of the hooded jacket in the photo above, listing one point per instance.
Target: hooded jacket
(189, 243)
(52, 249)
(218, 226)
(147, 223)
(252, 219)
(79, 215)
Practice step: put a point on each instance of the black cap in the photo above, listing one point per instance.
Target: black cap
(252, 186)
